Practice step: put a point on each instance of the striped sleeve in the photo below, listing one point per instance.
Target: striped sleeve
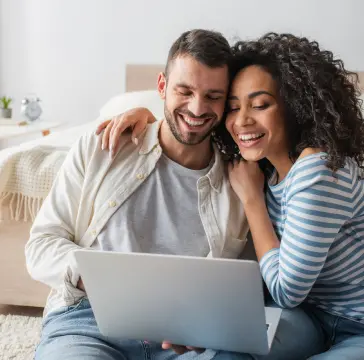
(317, 205)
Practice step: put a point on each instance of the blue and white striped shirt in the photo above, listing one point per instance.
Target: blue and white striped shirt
(319, 219)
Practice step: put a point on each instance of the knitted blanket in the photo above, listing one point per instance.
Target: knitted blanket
(26, 177)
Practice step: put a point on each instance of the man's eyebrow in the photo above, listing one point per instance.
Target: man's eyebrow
(185, 86)
(189, 87)
(233, 97)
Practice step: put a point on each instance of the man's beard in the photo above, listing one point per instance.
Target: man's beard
(192, 138)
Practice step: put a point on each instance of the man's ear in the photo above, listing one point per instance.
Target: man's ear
(162, 85)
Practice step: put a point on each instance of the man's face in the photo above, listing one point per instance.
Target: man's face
(194, 97)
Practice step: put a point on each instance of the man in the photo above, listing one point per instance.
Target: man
(100, 203)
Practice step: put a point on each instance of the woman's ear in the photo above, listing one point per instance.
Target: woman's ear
(162, 85)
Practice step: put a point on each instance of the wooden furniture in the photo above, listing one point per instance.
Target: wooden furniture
(16, 286)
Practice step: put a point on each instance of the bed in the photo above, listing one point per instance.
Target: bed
(17, 213)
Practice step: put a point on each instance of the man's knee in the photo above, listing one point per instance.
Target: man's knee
(72, 333)
(73, 347)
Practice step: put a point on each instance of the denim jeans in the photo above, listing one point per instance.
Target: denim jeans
(71, 333)
(343, 338)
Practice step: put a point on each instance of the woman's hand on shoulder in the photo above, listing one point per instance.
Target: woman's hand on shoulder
(135, 119)
(247, 180)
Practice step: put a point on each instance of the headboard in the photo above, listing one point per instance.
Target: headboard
(361, 80)
(144, 77)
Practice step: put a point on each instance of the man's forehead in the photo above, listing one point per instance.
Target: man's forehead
(188, 71)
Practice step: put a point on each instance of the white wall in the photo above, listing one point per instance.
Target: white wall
(72, 53)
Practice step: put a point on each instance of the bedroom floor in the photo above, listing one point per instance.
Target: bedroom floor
(20, 310)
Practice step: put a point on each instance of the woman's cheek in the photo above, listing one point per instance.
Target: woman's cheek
(229, 124)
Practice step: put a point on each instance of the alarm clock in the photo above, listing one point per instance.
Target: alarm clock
(30, 108)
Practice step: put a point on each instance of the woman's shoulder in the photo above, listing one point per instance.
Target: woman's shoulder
(311, 161)
(309, 151)
(311, 169)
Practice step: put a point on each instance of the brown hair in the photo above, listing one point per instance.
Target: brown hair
(207, 47)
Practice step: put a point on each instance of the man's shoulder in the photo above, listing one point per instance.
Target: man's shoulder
(91, 143)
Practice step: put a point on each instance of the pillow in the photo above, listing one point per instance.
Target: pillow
(149, 99)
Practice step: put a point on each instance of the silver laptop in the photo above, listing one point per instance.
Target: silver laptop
(209, 303)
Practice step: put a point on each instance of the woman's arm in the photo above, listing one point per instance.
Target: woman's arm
(261, 228)
(317, 206)
(247, 180)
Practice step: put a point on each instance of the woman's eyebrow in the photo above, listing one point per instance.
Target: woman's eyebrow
(252, 95)
(257, 93)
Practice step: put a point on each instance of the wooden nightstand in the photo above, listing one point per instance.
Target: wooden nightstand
(12, 134)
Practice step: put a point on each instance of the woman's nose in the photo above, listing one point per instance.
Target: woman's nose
(244, 118)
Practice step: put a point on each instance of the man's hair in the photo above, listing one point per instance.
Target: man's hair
(207, 47)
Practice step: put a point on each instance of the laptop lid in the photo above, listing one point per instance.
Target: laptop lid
(202, 302)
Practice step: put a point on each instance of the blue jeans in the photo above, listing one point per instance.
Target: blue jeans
(71, 333)
(343, 338)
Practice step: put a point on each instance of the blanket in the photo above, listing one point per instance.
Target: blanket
(26, 177)
(27, 171)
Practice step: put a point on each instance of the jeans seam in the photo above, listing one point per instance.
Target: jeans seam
(333, 334)
(146, 348)
(70, 309)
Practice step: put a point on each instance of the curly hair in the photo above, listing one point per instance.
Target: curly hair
(322, 108)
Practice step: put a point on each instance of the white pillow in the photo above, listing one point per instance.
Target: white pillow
(129, 100)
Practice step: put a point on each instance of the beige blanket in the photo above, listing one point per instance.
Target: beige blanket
(27, 171)
(26, 177)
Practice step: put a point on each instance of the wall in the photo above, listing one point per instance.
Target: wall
(72, 53)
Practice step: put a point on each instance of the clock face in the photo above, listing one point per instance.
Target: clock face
(33, 110)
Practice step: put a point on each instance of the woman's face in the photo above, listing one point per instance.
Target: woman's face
(255, 117)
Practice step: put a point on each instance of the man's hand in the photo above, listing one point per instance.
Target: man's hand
(180, 349)
(80, 285)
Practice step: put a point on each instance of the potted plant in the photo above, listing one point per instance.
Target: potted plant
(6, 111)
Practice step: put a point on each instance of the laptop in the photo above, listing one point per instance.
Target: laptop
(203, 302)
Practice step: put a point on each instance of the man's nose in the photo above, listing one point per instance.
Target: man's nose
(197, 106)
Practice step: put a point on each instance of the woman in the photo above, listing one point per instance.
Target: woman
(295, 133)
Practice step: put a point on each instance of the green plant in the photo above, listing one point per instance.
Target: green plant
(5, 101)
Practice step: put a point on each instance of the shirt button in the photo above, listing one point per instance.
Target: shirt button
(157, 151)
(93, 232)
(112, 203)
(140, 176)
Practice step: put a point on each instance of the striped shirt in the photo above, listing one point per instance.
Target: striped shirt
(318, 217)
